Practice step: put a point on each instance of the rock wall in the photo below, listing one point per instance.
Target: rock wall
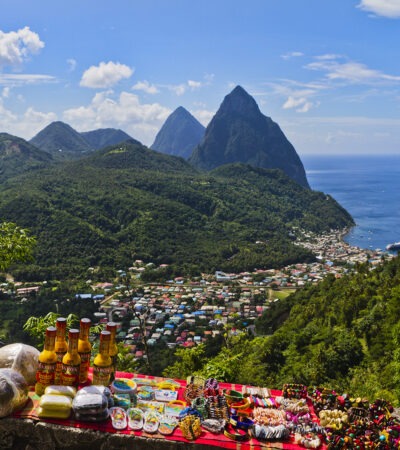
(26, 434)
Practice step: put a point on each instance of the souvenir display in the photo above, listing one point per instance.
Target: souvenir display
(296, 416)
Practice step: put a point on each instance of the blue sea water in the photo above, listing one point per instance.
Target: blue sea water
(368, 187)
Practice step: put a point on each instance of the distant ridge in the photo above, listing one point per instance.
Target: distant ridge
(105, 137)
(239, 132)
(18, 156)
(179, 135)
(62, 141)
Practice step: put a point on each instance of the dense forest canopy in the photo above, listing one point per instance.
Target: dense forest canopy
(128, 202)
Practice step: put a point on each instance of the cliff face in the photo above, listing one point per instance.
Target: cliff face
(179, 135)
(239, 132)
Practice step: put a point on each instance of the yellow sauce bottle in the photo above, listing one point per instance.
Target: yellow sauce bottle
(102, 364)
(47, 362)
(84, 349)
(112, 328)
(60, 347)
(71, 361)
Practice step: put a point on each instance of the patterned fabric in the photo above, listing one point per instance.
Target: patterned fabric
(30, 411)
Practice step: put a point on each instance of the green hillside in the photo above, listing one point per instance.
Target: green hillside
(128, 202)
(18, 156)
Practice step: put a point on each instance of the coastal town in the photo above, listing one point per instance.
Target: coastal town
(186, 312)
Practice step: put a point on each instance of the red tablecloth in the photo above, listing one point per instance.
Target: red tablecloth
(206, 438)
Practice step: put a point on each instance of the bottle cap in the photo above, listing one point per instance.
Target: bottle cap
(73, 333)
(51, 331)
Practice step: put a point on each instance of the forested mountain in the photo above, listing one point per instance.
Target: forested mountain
(239, 132)
(62, 141)
(179, 135)
(104, 137)
(127, 202)
(18, 156)
(342, 334)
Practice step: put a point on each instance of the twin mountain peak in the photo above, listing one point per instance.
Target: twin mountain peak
(238, 133)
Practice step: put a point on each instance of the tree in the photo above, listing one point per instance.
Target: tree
(15, 244)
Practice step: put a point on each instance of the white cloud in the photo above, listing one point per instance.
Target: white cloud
(179, 89)
(5, 93)
(292, 55)
(17, 46)
(301, 103)
(385, 8)
(141, 120)
(22, 79)
(146, 87)
(24, 125)
(71, 64)
(194, 84)
(351, 71)
(105, 75)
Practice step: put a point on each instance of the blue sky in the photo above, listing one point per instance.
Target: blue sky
(327, 71)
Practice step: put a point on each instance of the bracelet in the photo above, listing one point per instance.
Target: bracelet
(243, 424)
(242, 436)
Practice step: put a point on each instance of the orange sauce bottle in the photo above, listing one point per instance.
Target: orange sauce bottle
(112, 328)
(84, 349)
(47, 362)
(60, 347)
(102, 364)
(71, 361)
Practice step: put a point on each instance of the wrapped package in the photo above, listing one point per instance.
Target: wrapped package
(22, 358)
(13, 391)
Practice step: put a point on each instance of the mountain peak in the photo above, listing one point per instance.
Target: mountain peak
(179, 135)
(240, 133)
(239, 101)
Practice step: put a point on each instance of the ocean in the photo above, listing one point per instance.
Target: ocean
(368, 187)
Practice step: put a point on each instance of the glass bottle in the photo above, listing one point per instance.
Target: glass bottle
(112, 328)
(47, 362)
(102, 364)
(71, 361)
(60, 347)
(84, 349)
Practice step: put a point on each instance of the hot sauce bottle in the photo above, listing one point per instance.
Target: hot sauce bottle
(84, 349)
(71, 361)
(60, 347)
(112, 328)
(102, 364)
(47, 362)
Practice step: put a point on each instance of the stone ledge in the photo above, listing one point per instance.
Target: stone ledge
(27, 434)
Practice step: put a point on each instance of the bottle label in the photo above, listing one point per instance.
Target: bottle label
(70, 375)
(84, 368)
(45, 373)
(101, 375)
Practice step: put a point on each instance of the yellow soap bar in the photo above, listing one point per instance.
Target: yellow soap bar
(56, 402)
(69, 391)
(44, 413)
